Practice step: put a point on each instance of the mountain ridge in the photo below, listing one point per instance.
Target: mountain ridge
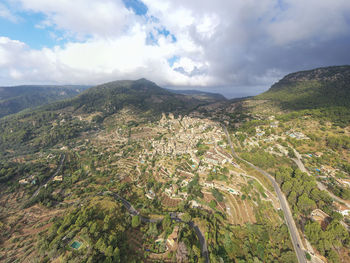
(42, 127)
(210, 96)
(311, 89)
(142, 94)
(14, 99)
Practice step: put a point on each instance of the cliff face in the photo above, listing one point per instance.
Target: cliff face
(337, 73)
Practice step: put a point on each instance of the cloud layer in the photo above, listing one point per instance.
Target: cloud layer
(235, 47)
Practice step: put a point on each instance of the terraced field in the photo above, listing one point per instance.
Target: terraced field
(239, 211)
(170, 202)
(24, 225)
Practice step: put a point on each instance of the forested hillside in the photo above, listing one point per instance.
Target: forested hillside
(312, 89)
(322, 93)
(55, 122)
(17, 98)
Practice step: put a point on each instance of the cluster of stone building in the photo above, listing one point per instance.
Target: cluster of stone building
(183, 135)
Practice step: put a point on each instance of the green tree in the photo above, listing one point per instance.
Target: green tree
(287, 187)
(217, 194)
(288, 257)
(166, 223)
(333, 256)
(306, 204)
(135, 221)
(196, 251)
(313, 232)
(109, 251)
(93, 229)
(116, 254)
(212, 204)
(100, 245)
(308, 256)
(186, 217)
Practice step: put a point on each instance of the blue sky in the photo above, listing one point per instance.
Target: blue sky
(28, 27)
(137, 6)
(237, 48)
(26, 30)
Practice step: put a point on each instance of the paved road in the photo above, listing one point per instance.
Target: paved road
(320, 185)
(174, 216)
(63, 157)
(274, 203)
(298, 245)
(133, 211)
(201, 238)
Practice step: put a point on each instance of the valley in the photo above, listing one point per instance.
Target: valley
(130, 172)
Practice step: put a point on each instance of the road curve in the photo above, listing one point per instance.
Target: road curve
(320, 185)
(63, 157)
(293, 231)
(174, 216)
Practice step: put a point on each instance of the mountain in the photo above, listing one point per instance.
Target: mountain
(312, 89)
(58, 122)
(142, 94)
(105, 175)
(201, 95)
(18, 98)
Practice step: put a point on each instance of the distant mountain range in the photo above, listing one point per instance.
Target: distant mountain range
(312, 89)
(78, 161)
(141, 94)
(198, 94)
(33, 128)
(18, 98)
(108, 97)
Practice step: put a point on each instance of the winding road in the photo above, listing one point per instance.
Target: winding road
(63, 157)
(320, 185)
(174, 216)
(297, 244)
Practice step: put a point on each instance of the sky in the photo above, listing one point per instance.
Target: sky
(234, 47)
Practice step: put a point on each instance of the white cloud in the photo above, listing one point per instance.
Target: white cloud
(311, 19)
(83, 17)
(242, 45)
(94, 61)
(7, 14)
(187, 64)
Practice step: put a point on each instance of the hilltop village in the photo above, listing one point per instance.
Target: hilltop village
(181, 158)
(129, 172)
(182, 161)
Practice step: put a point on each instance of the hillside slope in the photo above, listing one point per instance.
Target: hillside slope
(61, 121)
(312, 89)
(202, 95)
(142, 94)
(18, 98)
